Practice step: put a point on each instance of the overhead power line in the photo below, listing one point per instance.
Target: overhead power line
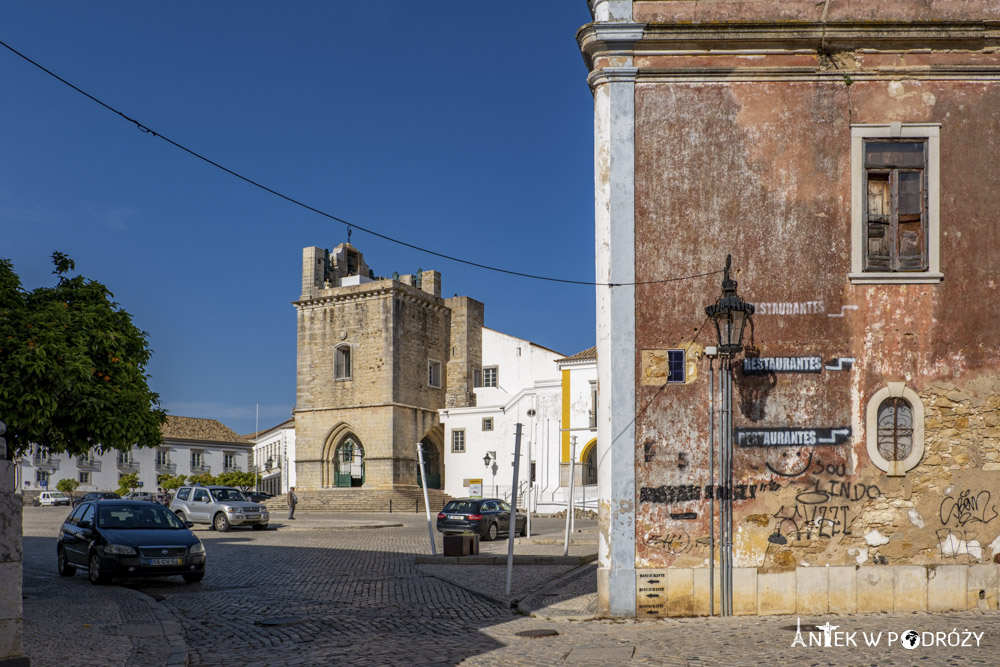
(144, 128)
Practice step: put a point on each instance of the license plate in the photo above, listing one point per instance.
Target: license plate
(251, 516)
(456, 516)
(166, 561)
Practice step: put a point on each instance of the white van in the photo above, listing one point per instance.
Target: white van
(52, 498)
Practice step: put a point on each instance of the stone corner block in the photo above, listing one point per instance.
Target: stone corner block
(744, 591)
(909, 588)
(843, 589)
(984, 580)
(776, 593)
(874, 589)
(947, 588)
(812, 590)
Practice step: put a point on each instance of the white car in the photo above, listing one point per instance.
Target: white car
(50, 498)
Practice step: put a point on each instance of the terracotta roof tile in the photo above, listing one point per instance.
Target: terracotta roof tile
(194, 428)
(589, 353)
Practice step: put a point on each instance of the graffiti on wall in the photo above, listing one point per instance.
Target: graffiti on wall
(966, 507)
(820, 510)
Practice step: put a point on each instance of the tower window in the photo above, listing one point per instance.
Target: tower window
(342, 362)
(434, 373)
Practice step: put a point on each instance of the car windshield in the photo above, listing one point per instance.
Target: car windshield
(227, 494)
(461, 507)
(145, 518)
(58, 494)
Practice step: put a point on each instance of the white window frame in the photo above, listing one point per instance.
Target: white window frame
(931, 132)
(487, 421)
(338, 372)
(454, 443)
(431, 364)
(496, 377)
(83, 476)
(895, 390)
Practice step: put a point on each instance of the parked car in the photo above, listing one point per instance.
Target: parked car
(219, 506)
(97, 495)
(162, 498)
(139, 495)
(128, 538)
(257, 496)
(51, 498)
(486, 517)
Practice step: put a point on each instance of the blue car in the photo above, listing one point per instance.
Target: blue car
(128, 538)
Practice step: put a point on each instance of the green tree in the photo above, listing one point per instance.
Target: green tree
(170, 482)
(128, 483)
(205, 479)
(243, 480)
(73, 367)
(68, 485)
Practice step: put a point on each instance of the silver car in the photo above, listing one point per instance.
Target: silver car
(219, 506)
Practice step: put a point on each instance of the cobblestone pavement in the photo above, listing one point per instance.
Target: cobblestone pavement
(345, 596)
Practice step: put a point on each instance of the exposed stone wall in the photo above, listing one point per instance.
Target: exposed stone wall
(466, 354)
(11, 648)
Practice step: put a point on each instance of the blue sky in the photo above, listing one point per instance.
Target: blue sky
(464, 127)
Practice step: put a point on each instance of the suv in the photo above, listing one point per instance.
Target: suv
(220, 506)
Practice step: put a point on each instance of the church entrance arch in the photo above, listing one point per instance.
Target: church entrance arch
(433, 465)
(589, 458)
(349, 462)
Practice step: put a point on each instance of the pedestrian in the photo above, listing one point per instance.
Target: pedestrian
(292, 499)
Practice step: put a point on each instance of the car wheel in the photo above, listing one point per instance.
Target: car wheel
(491, 532)
(96, 574)
(260, 526)
(221, 523)
(65, 569)
(180, 515)
(193, 577)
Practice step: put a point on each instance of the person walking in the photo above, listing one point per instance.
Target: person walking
(292, 499)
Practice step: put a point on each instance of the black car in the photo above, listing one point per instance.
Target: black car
(487, 517)
(257, 496)
(128, 538)
(97, 495)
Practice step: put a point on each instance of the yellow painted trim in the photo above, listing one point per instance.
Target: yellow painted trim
(565, 415)
(586, 449)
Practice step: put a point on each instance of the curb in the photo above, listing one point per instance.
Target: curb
(489, 559)
(527, 605)
(172, 629)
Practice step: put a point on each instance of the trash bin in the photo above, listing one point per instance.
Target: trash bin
(461, 545)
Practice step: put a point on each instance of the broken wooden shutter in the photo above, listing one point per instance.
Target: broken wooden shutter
(895, 206)
(878, 244)
(910, 237)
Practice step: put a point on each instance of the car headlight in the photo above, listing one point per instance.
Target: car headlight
(119, 550)
(235, 510)
(196, 549)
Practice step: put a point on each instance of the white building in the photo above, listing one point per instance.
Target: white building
(190, 446)
(522, 382)
(274, 457)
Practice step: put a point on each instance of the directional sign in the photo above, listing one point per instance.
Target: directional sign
(791, 437)
(650, 593)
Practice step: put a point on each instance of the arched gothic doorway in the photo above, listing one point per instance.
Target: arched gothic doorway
(349, 462)
(432, 464)
(589, 458)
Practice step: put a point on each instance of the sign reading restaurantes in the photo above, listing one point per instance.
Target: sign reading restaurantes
(791, 437)
(756, 365)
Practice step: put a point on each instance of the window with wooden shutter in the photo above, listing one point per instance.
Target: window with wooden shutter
(895, 206)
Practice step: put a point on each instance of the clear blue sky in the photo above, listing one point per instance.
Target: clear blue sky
(465, 127)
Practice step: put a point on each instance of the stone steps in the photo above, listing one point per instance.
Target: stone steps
(362, 500)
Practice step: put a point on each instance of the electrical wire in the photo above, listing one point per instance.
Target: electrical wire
(146, 129)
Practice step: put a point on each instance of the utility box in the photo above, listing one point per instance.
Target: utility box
(461, 545)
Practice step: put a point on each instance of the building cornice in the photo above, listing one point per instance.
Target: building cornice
(619, 44)
(394, 289)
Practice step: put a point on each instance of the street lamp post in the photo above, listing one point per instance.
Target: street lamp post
(729, 313)
(486, 461)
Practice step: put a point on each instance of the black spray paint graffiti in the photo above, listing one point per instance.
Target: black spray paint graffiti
(952, 543)
(832, 469)
(674, 541)
(967, 507)
(685, 492)
(820, 511)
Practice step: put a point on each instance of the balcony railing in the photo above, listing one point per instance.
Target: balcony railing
(593, 419)
(127, 465)
(198, 468)
(46, 462)
(226, 469)
(165, 468)
(85, 463)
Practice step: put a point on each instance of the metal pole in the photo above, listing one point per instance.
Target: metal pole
(714, 486)
(427, 506)
(723, 505)
(527, 504)
(729, 482)
(569, 500)
(256, 438)
(572, 485)
(512, 524)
